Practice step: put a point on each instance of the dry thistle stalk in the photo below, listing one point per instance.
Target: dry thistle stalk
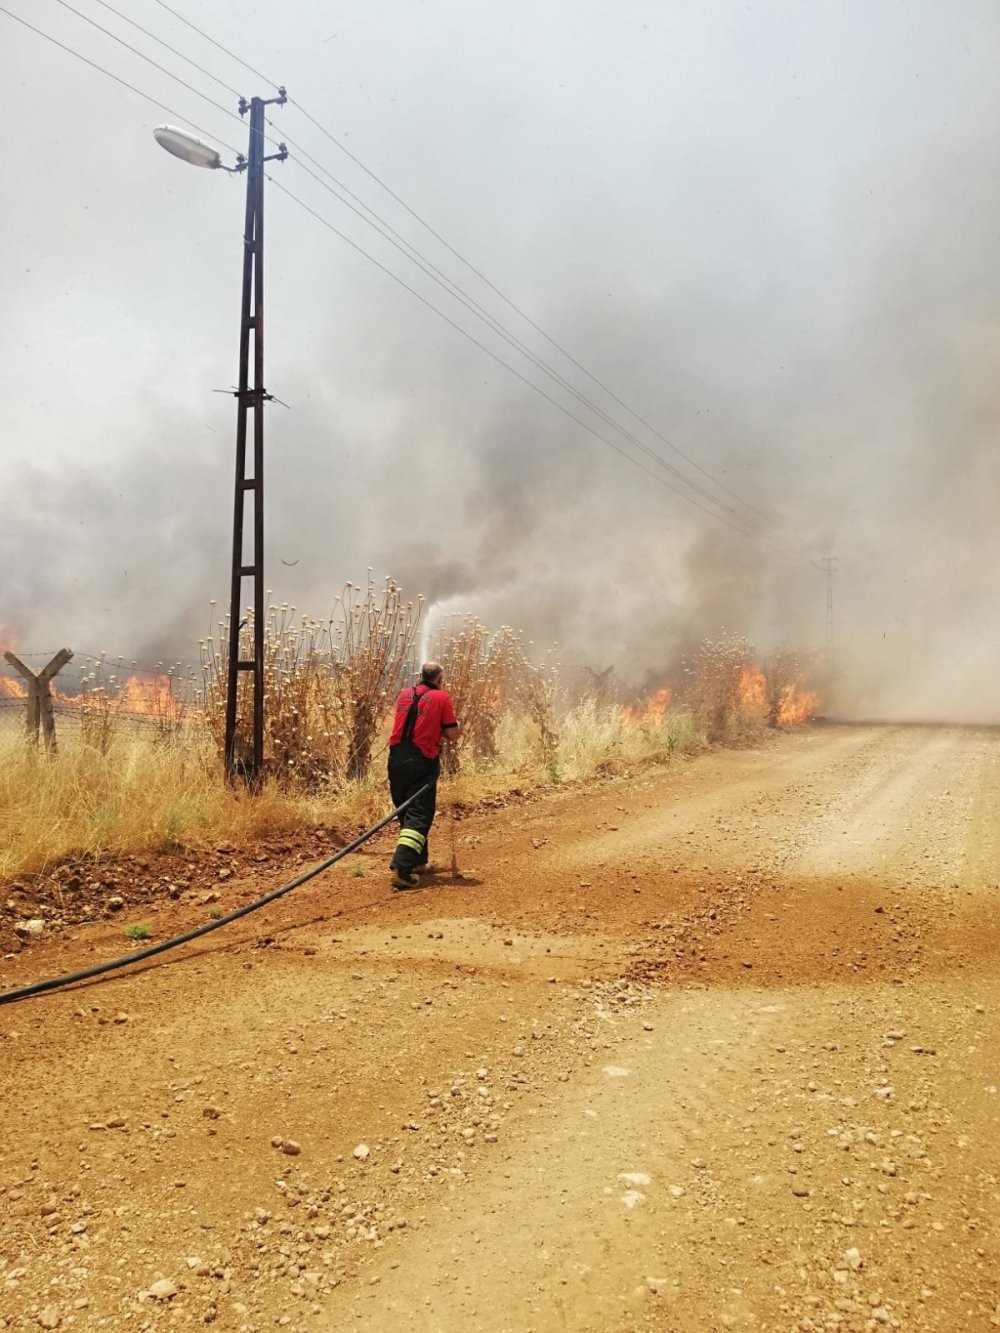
(373, 637)
(488, 672)
(540, 693)
(327, 684)
(110, 699)
(480, 671)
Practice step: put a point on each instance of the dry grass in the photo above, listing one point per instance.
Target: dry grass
(141, 792)
(595, 739)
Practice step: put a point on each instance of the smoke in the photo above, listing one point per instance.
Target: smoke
(794, 278)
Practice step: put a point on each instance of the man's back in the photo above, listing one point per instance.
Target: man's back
(435, 713)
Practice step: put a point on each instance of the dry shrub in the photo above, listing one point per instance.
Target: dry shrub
(540, 689)
(328, 685)
(489, 674)
(481, 668)
(373, 639)
(303, 718)
(724, 688)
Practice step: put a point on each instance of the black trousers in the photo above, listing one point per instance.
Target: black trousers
(409, 770)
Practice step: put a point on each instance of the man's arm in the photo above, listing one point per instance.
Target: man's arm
(449, 722)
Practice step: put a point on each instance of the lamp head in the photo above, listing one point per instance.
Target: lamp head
(187, 147)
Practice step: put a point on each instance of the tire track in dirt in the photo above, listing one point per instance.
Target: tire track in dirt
(751, 1110)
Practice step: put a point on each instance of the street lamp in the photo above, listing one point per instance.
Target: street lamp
(188, 148)
(244, 760)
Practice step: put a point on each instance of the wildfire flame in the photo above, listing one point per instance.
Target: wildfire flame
(795, 705)
(151, 697)
(751, 690)
(650, 712)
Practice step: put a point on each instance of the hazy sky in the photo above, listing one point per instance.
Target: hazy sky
(770, 229)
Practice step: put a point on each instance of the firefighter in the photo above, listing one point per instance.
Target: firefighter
(424, 718)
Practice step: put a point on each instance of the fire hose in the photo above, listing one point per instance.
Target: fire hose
(23, 992)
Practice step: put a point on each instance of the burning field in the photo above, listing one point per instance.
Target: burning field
(137, 764)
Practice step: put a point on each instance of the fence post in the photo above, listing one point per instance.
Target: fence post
(40, 696)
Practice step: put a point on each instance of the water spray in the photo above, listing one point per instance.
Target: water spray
(435, 613)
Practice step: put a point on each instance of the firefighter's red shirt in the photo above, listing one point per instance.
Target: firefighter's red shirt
(435, 713)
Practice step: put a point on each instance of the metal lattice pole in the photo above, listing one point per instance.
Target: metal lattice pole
(242, 758)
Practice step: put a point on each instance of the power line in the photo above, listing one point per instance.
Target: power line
(179, 54)
(150, 61)
(226, 111)
(427, 267)
(713, 513)
(769, 519)
(527, 318)
(232, 56)
(108, 74)
(454, 290)
(410, 251)
(384, 228)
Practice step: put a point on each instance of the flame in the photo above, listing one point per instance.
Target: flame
(152, 697)
(136, 696)
(751, 690)
(795, 705)
(146, 696)
(650, 712)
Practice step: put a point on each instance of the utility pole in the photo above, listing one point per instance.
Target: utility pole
(248, 760)
(829, 565)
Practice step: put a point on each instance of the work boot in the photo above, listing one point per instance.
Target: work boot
(404, 879)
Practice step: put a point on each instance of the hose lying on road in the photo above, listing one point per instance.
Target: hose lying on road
(8, 997)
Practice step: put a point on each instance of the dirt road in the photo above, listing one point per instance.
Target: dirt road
(713, 1047)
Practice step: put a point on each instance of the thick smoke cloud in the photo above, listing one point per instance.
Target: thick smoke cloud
(773, 233)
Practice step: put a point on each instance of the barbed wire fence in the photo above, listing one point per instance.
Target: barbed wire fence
(159, 697)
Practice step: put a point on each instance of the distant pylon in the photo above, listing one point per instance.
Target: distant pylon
(828, 564)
